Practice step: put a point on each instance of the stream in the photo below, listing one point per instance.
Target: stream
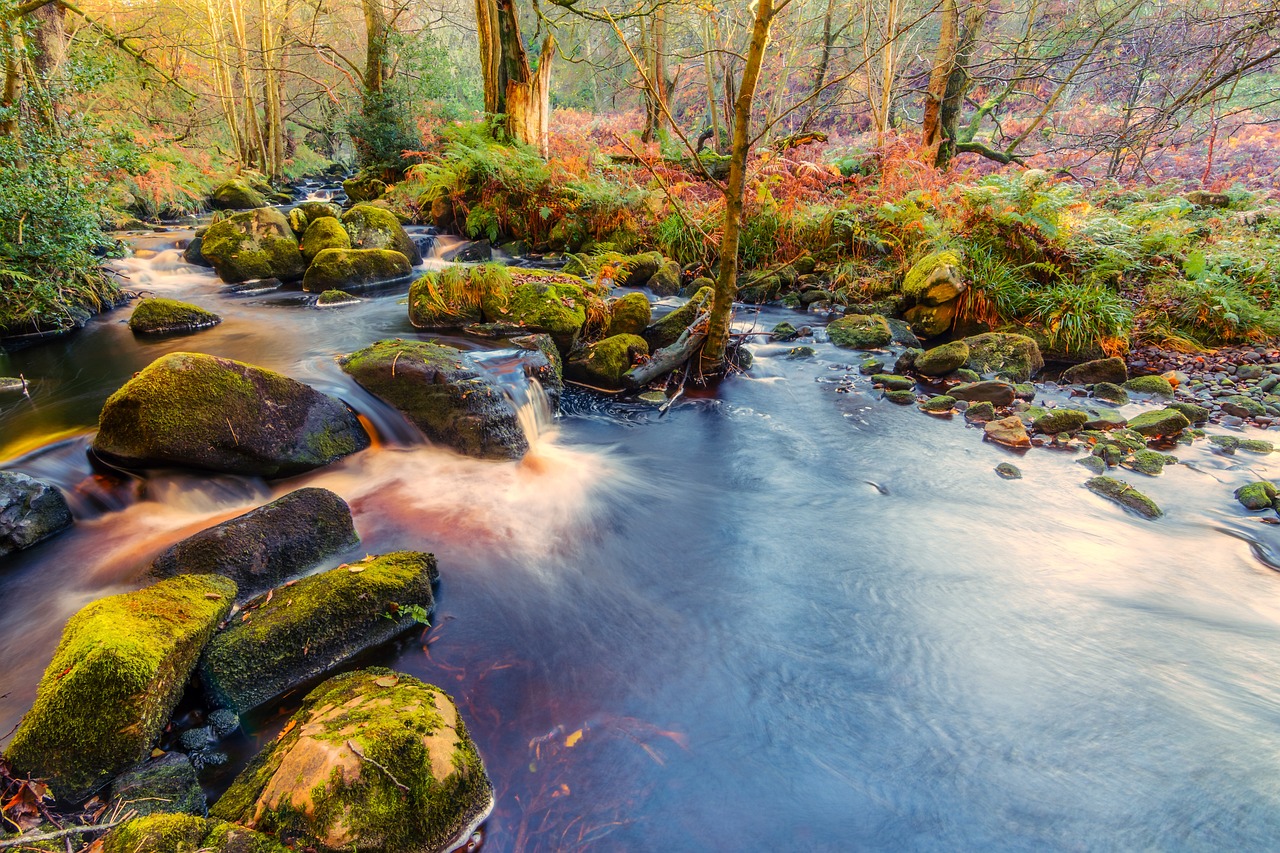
(777, 618)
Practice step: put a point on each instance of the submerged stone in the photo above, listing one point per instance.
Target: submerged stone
(31, 511)
(442, 392)
(157, 316)
(373, 761)
(267, 546)
(198, 411)
(115, 678)
(314, 626)
(1118, 491)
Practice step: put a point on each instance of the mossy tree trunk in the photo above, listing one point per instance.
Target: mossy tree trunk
(726, 290)
(944, 60)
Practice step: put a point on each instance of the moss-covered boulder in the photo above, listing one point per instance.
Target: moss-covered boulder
(991, 391)
(1109, 392)
(31, 511)
(334, 298)
(1256, 496)
(1009, 356)
(314, 210)
(453, 297)
(1193, 413)
(1111, 370)
(934, 279)
(1159, 423)
(629, 314)
(323, 233)
(1010, 432)
(666, 280)
(158, 316)
(236, 195)
(266, 546)
(114, 680)
(251, 245)
(893, 382)
(315, 625)
(860, 331)
(943, 359)
(165, 784)
(930, 321)
(190, 410)
(664, 331)
(352, 269)
(940, 404)
(537, 303)
(1148, 462)
(980, 413)
(603, 364)
(373, 761)
(636, 270)
(374, 228)
(1118, 491)
(1061, 420)
(444, 394)
(184, 833)
(364, 188)
(1153, 385)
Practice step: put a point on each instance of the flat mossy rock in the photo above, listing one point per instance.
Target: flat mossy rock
(158, 316)
(1160, 423)
(1010, 432)
(893, 382)
(340, 269)
(266, 546)
(666, 280)
(114, 680)
(980, 413)
(236, 195)
(629, 314)
(444, 394)
(364, 188)
(334, 298)
(604, 363)
(991, 391)
(323, 233)
(183, 833)
(557, 306)
(1256, 496)
(166, 784)
(934, 279)
(940, 404)
(374, 228)
(1061, 420)
(315, 625)
(1118, 491)
(1242, 406)
(1193, 413)
(860, 331)
(252, 245)
(1009, 356)
(31, 511)
(1157, 385)
(190, 410)
(943, 359)
(373, 761)
(664, 331)
(1111, 370)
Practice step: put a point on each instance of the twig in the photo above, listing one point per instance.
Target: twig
(393, 363)
(25, 391)
(233, 430)
(351, 745)
(61, 833)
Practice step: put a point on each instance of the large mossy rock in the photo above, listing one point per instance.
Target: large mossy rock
(364, 188)
(184, 833)
(266, 546)
(352, 269)
(236, 195)
(31, 511)
(666, 281)
(604, 363)
(636, 270)
(629, 314)
(930, 321)
(158, 316)
(452, 297)
(251, 245)
(190, 410)
(1111, 370)
(315, 625)
(372, 761)
(114, 680)
(991, 391)
(374, 228)
(1009, 356)
(323, 233)
(557, 306)
(943, 359)
(664, 331)
(934, 279)
(444, 394)
(860, 331)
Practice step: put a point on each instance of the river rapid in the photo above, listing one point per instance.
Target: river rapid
(777, 617)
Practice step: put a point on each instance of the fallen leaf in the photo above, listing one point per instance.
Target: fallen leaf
(387, 681)
(290, 727)
(212, 596)
(573, 739)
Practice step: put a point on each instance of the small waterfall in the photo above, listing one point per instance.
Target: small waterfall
(530, 400)
(534, 412)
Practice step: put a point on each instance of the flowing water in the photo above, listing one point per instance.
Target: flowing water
(780, 618)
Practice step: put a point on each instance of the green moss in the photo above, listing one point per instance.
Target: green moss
(980, 412)
(666, 281)
(374, 228)
(1009, 356)
(901, 397)
(195, 410)
(1061, 420)
(114, 680)
(1228, 444)
(1147, 462)
(236, 195)
(1160, 423)
(313, 626)
(181, 833)
(252, 245)
(939, 404)
(354, 268)
(1156, 385)
(391, 730)
(1195, 414)
(629, 314)
(603, 364)
(860, 331)
(557, 307)
(1095, 464)
(336, 297)
(934, 279)
(1111, 393)
(1256, 496)
(323, 233)
(158, 316)
(943, 359)
(314, 210)
(666, 330)
(1257, 445)
(453, 297)
(894, 382)
(1127, 496)
(1243, 406)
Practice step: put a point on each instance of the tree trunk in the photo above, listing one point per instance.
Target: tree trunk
(492, 69)
(511, 88)
(726, 289)
(375, 56)
(222, 77)
(528, 104)
(944, 60)
(959, 80)
(659, 90)
(13, 50)
(272, 118)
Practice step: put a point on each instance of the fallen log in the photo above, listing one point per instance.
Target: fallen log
(666, 359)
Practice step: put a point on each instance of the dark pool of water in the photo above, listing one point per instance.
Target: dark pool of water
(783, 618)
